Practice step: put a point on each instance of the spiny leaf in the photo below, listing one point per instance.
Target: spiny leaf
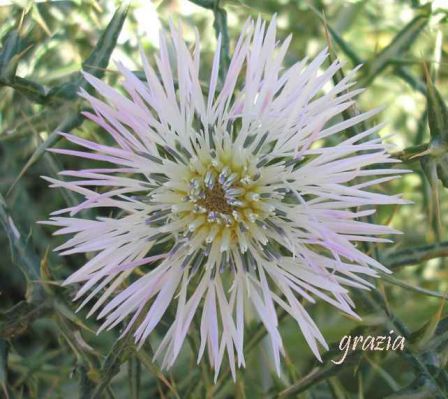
(419, 389)
(8, 56)
(154, 370)
(429, 167)
(396, 47)
(416, 360)
(40, 20)
(403, 284)
(87, 360)
(414, 255)
(344, 46)
(67, 313)
(426, 333)
(442, 169)
(434, 160)
(16, 320)
(439, 342)
(95, 64)
(437, 117)
(400, 71)
(220, 25)
(98, 60)
(328, 369)
(410, 79)
(23, 255)
(31, 90)
(13, 48)
(112, 363)
(352, 111)
(73, 120)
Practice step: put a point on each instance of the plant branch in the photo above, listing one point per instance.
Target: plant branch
(412, 256)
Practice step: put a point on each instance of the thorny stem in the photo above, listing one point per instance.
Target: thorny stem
(411, 154)
(412, 256)
(376, 300)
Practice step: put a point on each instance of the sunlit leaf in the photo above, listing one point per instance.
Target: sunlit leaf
(399, 44)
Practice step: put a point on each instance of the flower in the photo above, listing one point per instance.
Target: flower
(229, 204)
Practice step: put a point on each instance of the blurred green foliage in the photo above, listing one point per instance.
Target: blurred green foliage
(49, 351)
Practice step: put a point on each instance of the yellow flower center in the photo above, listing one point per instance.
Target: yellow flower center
(222, 199)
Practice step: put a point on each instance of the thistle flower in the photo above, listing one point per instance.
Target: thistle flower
(227, 202)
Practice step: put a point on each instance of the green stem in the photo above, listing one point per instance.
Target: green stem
(154, 370)
(112, 364)
(412, 256)
(256, 337)
(221, 28)
(410, 287)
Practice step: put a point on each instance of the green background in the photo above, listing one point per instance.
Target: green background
(48, 351)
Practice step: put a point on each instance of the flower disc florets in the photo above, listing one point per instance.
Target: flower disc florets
(225, 201)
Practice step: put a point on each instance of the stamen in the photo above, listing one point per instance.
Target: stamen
(236, 203)
(252, 217)
(195, 183)
(234, 192)
(226, 218)
(212, 217)
(199, 209)
(243, 227)
(209, 180)
(254, 197)
(228, 182)
(223, 175)
(236, 215)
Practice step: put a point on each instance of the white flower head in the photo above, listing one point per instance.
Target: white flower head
(225, 202)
